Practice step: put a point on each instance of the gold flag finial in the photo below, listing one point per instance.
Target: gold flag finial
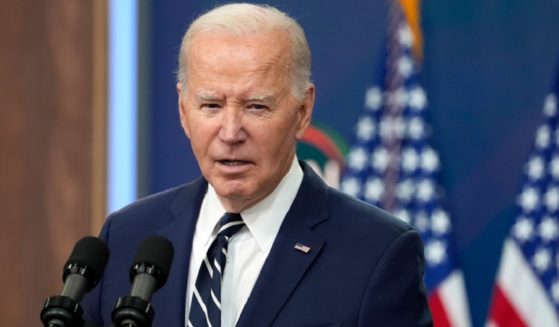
(412, 12)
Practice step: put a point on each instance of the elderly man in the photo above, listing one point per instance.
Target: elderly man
(259, 239)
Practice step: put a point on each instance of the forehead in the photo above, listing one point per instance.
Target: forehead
(220, 50)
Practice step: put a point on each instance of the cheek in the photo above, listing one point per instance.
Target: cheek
(185, 127)
(277, 142)
(200, 137)
(186, 122)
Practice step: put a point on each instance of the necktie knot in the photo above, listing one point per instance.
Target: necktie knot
(229, 224)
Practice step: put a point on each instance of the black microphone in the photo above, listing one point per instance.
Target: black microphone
(148, 273)
(81, 273)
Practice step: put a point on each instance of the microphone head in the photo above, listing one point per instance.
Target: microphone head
(154, 257)
(88, 258)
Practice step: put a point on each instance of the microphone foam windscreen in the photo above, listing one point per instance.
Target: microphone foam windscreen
(93, 253)
(157, 251)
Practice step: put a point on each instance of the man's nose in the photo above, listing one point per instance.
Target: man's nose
(232, 130)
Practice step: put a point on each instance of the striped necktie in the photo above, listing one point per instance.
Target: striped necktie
(205, 308)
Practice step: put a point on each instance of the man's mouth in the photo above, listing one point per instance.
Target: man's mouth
(227, 162)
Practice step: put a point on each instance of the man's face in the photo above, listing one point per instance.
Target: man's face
(239, 114)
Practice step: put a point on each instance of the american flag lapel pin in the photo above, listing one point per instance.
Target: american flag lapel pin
(303, 248)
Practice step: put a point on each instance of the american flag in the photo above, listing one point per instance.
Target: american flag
(526, 289)
(391, 164)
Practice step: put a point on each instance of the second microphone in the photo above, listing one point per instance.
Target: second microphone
(148, 273)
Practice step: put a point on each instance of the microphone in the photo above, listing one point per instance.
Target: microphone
(148, 274)
(81, 273)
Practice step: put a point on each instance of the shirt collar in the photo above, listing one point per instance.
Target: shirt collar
(263, 219)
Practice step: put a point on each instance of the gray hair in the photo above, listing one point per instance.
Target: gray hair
(241, 19)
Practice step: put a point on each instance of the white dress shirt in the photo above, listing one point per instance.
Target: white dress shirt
(248, 248)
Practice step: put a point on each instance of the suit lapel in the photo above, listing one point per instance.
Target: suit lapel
(169, 301)
(286, 265)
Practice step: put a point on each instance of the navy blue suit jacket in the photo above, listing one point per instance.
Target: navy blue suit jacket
(365, 267)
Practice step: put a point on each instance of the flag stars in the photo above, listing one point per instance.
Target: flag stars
(365, 129)
(373, 98)
(405, 66)
(417, 98)
(380, 159)
(392, 127)
(535, 168)
(405, 36)
(543, 137)
(425, 190)
(435, 252)
(429, 160)
(523, 229)
(351, 186)
(404, 190)
(357, 158)
(555, 291)
(548, 229)
(542, 259)
(422, 222)
(410, 160)
(393, 133)
(416, 128)
(374, 189)
(403, 215)
(528, 199)
(551, 198)
(550, 105)
(554, 167)
(398, 97)
(441, 222)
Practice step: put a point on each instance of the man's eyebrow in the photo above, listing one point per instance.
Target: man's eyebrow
(260, 98)
(208, 96)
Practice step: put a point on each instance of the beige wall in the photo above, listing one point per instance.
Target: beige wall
(52, 109)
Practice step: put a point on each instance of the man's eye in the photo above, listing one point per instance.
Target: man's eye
(256, 106)
(210, 105)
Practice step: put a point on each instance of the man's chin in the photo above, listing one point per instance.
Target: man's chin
(232, 190)
(239, 194)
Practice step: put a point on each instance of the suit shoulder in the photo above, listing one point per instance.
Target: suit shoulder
(159, 199)
(346, 208)
(157, 207)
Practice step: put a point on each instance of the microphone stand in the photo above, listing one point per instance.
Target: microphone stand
(148, 273)
(61, 311)
(64, 310)
(131, 311)
(135, 310)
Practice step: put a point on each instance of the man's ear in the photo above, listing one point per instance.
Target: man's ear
(181, 93)
(305, 112)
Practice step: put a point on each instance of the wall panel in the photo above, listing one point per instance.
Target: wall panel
(50, 106)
